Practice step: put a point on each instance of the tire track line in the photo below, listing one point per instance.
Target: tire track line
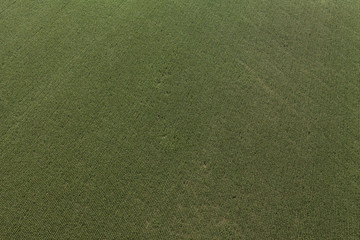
(303, 69)
(265, 86)
(300, 62)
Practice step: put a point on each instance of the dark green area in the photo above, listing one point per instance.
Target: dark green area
(179, 119)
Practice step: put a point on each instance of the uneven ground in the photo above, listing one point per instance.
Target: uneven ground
(179, 119)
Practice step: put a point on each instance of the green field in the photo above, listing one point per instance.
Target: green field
(179, 119)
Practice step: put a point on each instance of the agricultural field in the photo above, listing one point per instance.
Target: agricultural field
(179, 119)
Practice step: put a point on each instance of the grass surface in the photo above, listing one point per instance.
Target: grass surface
(179, 119)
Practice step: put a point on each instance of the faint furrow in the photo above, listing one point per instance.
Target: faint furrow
(25, 99)
(38, 95)
(352, 31)
(297, 60)
(35, 33)
(45, 90)
(266, 88)
(7, 7)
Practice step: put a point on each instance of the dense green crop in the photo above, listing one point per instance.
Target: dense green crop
(179, 119)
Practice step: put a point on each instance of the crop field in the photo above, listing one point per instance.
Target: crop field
(179, 119)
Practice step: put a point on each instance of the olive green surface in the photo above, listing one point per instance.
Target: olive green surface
(179, 119)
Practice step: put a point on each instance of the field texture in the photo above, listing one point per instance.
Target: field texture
(179, 119)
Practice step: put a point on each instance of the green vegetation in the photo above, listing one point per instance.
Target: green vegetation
(179, 119)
